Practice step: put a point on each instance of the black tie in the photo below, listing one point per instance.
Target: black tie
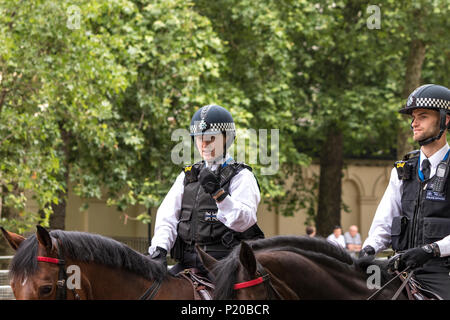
(426, 169)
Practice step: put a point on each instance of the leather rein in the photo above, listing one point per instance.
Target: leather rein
(400, 275)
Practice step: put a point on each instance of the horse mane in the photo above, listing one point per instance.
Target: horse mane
(90, 248)
(317, 249)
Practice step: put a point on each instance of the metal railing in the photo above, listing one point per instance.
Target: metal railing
(5, 290)
(140, 244)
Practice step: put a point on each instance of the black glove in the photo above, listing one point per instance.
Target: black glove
(395, 264)
(160, 255)
(417, 257)
(209, 181)
(366, 251)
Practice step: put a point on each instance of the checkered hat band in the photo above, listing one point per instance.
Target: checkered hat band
(224, 126)
(433, 103)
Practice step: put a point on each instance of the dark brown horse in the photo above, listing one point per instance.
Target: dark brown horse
(296, 268)
(76, 265)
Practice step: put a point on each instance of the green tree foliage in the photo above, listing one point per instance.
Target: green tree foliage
(260, 64)
(56, 84)
(92, 91)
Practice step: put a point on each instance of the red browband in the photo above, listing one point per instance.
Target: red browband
(47, 259)
(247, 284)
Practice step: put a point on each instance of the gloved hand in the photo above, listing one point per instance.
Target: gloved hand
(366, 251)
(209, 181)
(415, 257)
(395, 264)
(160, 256)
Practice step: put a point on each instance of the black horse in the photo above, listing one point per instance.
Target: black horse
(289, 267)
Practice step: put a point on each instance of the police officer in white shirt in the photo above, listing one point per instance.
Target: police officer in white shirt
(212, 203)
(414, 213)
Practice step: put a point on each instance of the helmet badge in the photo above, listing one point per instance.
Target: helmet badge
(410, 101)
(203, 125)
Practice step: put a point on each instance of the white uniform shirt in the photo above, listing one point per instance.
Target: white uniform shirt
(390, 207)
(237, 211)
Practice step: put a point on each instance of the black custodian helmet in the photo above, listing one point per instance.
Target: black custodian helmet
(213, 119)
(430, 96)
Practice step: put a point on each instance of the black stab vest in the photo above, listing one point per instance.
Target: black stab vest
(198, 219)
(425, 216)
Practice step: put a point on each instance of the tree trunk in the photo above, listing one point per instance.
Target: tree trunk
(330, 183)
(412, 81)
(58, 217)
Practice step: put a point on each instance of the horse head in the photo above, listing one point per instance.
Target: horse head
(44, 275)
(79, 265)
(251, 281)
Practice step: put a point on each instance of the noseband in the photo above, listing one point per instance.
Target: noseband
(61, 284)
(263, 278)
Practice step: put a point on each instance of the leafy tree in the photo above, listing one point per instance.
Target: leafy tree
(259, 64)
(56, 85)
(79, 60)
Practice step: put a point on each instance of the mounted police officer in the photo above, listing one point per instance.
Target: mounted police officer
(212, 203)
(414, 213)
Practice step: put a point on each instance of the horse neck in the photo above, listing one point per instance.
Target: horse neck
(174, 288)
(310, 279)
(103, 283)
(106, 283)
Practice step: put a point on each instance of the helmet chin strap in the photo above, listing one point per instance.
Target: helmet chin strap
(442, 127)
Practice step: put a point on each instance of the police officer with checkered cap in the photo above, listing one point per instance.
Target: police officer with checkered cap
(434, 97)
(212, 203)
(212, 120)
(414, 213)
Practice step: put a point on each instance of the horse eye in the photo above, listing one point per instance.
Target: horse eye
(45, 290)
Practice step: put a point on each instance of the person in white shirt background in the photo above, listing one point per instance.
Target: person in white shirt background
(212, 203)
(414, 213)
(336, 237)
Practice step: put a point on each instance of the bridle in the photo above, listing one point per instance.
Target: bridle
(405, 281)
(264, 278)
(151, 292)
(61, 284)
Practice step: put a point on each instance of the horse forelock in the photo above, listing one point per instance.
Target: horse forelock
(24, 262)
(227, 269)
(86, 247)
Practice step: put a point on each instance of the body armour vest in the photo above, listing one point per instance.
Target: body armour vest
(198, 219)
(425, 216)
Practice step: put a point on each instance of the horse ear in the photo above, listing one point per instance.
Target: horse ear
(247, 258)
(208, 261)
(43, 237)
(13, 239)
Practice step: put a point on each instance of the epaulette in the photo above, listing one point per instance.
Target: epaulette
(405, 167)
(191, 172)
(412, 154)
